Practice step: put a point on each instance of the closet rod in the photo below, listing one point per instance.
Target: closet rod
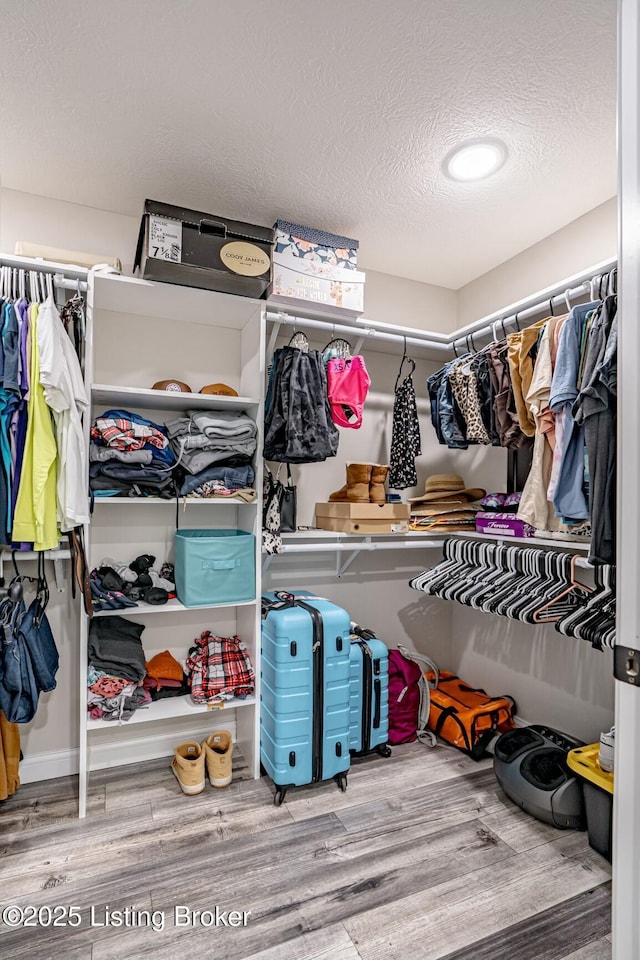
(286, 319)
(528, 308)
(44, 266)
(351, 547)
(575, 286)
(72, 278)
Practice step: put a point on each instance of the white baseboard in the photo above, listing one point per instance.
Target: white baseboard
(521, 722)
(115, 751)
(48, 766)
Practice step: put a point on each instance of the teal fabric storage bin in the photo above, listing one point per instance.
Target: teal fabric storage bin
(215, 566)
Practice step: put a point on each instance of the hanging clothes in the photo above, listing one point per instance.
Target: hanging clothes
(595, 410)
(35, 518)
(465, 389)
(446, 416)
(405, 434)
(64, 392)
(569, 498)
(535, 508)
(552, 385)
(298, 425)
(521, 364)
(348, 384)
(9, 757)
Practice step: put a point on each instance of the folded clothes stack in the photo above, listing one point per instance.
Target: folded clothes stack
(446, 506)
(221, 481)
(130, 456)
(116, 669)
(206, 437)
(219, 668)
(116, 585)
(165, 677)
(500, 502)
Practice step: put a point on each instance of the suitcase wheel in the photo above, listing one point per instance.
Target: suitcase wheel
(281, 793)
(384, 750)
(341, 780)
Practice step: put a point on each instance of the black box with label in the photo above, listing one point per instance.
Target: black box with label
(194, 249)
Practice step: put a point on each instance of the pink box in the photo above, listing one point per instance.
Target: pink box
(503, 525)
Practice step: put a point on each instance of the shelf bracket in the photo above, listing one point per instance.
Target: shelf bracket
(358, 346)
(343, 566)
(58, 572)
(266, 562)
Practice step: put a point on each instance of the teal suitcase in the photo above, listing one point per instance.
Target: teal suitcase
(304, 699)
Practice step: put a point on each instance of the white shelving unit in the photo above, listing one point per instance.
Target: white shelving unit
(171, 606)
(175, 708)
(199, 337)
(183, 502)
(115, 396)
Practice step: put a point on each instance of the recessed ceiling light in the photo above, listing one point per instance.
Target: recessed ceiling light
(475, 159)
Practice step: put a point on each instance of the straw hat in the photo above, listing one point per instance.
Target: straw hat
(447, 487)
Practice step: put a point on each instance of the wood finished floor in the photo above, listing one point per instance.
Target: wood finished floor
(423, 858)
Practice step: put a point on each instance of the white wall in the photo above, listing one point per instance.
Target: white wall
(584, 242)
(72, 226)
(409, 303)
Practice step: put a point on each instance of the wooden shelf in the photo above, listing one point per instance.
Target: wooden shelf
(112, 395)
(172, 606)
(170, 709)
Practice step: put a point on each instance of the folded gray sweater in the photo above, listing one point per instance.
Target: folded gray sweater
(101, 454)
(215, 424)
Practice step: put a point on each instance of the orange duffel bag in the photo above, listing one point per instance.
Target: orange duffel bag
(466, 717)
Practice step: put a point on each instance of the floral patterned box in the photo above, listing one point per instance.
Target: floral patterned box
(319, 268)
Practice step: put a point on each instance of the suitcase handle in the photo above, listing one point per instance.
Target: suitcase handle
(213, 228)
(377, 693)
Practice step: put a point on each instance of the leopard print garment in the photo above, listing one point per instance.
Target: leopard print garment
(465, 390)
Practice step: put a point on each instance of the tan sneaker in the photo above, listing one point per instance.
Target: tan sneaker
(218, 748)
(188, 767)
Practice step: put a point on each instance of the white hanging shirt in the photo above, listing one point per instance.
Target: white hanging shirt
(64, 391)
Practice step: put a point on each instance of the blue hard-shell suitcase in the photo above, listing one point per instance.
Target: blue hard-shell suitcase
(369, 702)
(304, 700)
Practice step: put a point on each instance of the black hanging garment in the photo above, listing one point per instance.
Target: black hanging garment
(298, 425)
(405, 434)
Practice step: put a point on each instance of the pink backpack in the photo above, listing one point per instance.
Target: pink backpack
(408, 698)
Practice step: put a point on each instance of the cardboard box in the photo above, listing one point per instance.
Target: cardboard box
(316, 268)
(195, 249)
(503, 525)
(308, 243)
(363, 518)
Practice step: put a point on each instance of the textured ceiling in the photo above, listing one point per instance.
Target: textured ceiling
(335, 113)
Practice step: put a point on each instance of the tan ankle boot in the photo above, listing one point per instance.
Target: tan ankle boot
(218, 749)
(188, 767)
(356, 489)
(376, 488)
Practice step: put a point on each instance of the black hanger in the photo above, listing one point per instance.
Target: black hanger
(405, 359)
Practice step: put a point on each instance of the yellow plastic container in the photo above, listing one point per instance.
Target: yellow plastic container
(597, 786)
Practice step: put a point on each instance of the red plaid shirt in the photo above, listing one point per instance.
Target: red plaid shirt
(219, 668)
(126, 434)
